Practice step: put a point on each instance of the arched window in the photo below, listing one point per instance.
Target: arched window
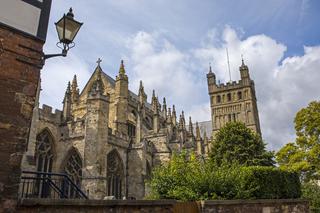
(115, 174)
(218, 98)
(73, 168)
(44, 161)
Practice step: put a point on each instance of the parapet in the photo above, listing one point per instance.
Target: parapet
(46, 114)
(229, 86)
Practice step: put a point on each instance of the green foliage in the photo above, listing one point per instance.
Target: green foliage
(304, 155)
(187, 178)
(235, 143)
(311, 191)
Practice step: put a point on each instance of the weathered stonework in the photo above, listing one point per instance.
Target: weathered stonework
(118, 135)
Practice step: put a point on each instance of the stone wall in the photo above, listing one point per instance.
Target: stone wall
(92, 206)
(19, 76)
(256, 206)
(163, 206)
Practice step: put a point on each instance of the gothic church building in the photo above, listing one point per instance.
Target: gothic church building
(107, 138)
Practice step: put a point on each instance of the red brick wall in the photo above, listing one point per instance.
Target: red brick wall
(19, 76)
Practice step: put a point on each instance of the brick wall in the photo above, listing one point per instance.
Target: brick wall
(19, 77)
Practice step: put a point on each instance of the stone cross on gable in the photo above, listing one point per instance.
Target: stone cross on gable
(99, 61)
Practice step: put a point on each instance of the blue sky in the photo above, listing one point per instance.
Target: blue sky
(169, 44)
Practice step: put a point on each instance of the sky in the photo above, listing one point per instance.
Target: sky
(170, 44)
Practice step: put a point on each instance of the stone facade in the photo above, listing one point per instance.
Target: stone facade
(233, 101)
(114, 136)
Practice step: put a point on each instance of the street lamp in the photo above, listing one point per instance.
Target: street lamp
(67, 29)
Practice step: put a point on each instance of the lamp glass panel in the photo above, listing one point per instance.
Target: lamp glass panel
(71, 29)
(59, 27)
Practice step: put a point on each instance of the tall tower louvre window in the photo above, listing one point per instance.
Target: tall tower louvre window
(44, 161)
(218, 98)
(115, 174)
(239, 95)
(229, 97)
(73, 168)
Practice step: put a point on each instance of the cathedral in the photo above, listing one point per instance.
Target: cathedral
(107, 138)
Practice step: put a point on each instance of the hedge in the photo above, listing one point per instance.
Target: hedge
(193, 180)
(270, 183)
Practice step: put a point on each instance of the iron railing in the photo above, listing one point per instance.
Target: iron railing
(49, 185)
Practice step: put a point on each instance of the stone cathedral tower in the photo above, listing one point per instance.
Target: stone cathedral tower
(233, 101)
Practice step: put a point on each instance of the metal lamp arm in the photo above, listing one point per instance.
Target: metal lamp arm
(46, 56)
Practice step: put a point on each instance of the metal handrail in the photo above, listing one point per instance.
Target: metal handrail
(47, 176)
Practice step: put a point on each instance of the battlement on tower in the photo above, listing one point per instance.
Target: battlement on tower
(230, 86)
(45, 113)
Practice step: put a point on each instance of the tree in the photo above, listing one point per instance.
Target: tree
(235, 143)
(303, 156)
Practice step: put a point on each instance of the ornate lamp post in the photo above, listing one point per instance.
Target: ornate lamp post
(67, 29)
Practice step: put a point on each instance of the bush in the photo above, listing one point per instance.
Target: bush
(187, 178)
(311, 191)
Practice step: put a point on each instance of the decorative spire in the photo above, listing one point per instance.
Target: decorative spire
(198, 136)
(243, 65)
(141, 88)
(74, 83)
(164, 108)
(159, 105)
(122, 71)
(205, 136)
(153, 94)
(183, 120)
(74, 89)
(210, 69)
(174, 116)
(68, 88)
(190, 126)
(180, 122)
(169, 116)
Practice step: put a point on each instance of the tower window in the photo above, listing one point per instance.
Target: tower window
(218, 98)
(239, 95)
(229, 97)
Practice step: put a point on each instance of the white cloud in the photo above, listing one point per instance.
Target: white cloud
(164, 68)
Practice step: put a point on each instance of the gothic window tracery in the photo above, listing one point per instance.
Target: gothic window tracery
(115, 174)
(44, 161)
(73, 168)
